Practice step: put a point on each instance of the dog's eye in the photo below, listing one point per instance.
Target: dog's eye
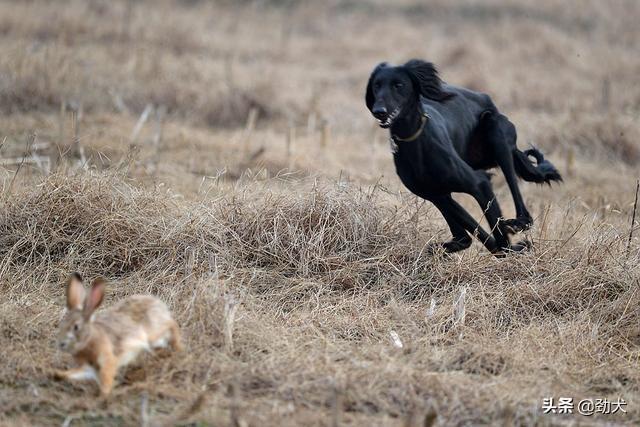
(398, 85)
(377, 86)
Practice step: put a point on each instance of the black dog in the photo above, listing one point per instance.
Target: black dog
(444, 138)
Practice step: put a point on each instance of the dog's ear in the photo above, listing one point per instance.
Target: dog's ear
(369, 98)
(426, 80)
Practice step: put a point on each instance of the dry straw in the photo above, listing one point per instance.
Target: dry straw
(301, 289)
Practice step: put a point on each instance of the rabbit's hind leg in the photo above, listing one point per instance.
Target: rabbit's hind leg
(175, 339)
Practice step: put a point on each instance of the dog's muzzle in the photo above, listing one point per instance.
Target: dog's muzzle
(386, 120)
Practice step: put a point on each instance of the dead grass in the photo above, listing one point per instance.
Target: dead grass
(292, 257)
(322, 279)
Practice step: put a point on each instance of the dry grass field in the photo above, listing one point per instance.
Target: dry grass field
(218, 154)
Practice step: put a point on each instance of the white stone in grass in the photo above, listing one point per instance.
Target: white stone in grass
(432, 308)
(459, 311)
(395, 339)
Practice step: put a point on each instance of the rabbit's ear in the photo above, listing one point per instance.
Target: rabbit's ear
(94, 298)
(75, 292)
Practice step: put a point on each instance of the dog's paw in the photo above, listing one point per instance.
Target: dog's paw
(449, 247)
(516, 225)
(521, 246)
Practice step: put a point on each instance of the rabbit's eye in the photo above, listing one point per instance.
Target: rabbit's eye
(76, 327)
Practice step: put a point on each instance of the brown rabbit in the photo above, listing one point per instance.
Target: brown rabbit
(104, 341)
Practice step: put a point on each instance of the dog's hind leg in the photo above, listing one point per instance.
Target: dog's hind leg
(484, 195)
(501, 136)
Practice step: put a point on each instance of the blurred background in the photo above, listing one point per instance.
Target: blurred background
(187, 89)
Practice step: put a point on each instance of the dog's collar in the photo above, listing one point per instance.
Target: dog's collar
(423, 121)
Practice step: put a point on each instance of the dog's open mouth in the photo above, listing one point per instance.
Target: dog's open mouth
(390, 118)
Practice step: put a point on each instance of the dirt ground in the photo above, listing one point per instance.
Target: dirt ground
(219, 154)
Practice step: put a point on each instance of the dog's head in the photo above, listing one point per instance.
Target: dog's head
(393, 89)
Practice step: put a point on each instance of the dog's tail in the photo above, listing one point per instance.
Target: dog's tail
(541, 172)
